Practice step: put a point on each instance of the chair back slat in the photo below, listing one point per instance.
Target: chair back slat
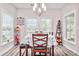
(40, 43)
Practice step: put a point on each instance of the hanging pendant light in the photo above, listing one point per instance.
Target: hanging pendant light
(39, 8)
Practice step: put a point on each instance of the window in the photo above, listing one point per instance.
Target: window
(7, 28)
(46, 25)
(70, 27)
(36, 25)
(32, 25)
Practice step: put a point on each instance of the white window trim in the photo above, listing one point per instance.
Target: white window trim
(4, 11)
(39, 20)
(73, 11)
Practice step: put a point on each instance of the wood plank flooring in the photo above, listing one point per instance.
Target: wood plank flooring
(58, 51)
(63, 51)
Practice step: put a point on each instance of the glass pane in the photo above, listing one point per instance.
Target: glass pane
(7, 28)
(32, 25)
(46, 25)
(70, 27)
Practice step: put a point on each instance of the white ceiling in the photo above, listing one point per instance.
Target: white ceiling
(48, 5)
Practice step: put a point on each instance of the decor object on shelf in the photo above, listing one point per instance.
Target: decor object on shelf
(58, 33)
(17, 28)
(17, 35)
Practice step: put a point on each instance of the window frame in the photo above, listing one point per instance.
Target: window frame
(67, 14)
(2, 11)
(39, 22)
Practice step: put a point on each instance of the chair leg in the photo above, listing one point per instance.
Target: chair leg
(50, 51)
(33, 53)
(20, 52)
(26, 51)
(39, 53)
(46, 53)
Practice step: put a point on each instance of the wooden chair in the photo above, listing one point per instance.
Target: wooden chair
(23, 47)
(39, 44)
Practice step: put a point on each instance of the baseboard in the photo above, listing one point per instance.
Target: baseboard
(71, 49)
(3, 50)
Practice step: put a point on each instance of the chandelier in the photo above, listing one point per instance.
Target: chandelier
(39, 8)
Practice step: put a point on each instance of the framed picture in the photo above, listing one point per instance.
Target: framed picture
(20, 21)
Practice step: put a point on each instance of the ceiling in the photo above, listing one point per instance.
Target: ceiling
(29, 5)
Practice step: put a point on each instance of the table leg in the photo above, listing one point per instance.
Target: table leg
(20, 52)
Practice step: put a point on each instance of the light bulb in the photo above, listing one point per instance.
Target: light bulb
(43, 5)
(39, 10)
(44, 8)
(34, 7)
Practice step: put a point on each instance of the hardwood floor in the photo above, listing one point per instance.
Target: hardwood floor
(12, 52)
(63, 51)
(58, 51)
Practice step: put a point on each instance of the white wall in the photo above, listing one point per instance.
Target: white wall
(54, 14)
(8, 8)
(57, 14)
(67, 9)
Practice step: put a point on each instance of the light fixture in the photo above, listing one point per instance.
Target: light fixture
(39, 8)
